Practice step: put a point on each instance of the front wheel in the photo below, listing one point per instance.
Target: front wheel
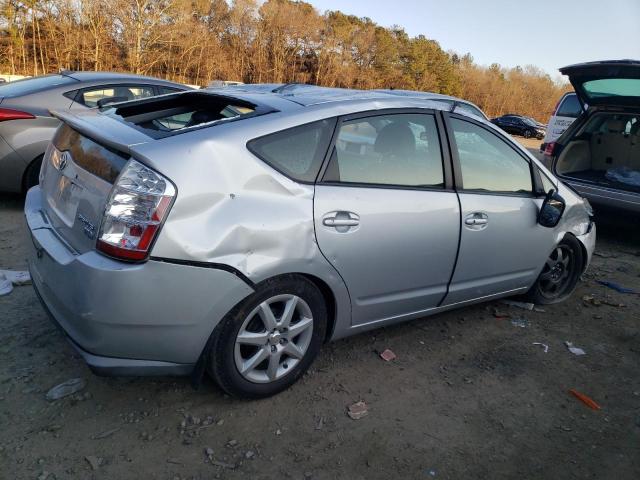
(560, 273)
(527, 134)
(268, 341)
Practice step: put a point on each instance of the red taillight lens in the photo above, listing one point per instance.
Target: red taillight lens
(8, 114)
(137, 206)
(550, 149)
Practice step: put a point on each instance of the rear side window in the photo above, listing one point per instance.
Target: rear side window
(466, 108)
(297, 152)
(114, 93)
(570, 107)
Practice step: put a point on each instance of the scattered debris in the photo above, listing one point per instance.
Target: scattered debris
(544, 346)
(590, 299)
(388, 355)
(105, 434)
(320, 423)
(232, 443)
(603, 254)
(358, 410)
(431, 473)
(522, 305)
(278, 432)
(520, 322)
(539, 310)
(574, 350)
(11, 278)
(617, 287)
(66, 388)
(589, 402)
(174, 461)
(218, 463)
(93, 461)
(249, 454)
(500, 315)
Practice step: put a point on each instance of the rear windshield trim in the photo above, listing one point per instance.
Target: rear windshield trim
(118, 110)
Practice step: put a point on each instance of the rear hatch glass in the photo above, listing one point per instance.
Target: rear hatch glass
(614, 83)
(77, 176)
(177, 113)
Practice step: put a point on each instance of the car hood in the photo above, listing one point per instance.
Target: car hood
(606, 83)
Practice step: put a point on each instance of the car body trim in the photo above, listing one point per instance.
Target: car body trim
(199, 264)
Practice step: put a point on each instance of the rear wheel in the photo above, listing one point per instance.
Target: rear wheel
(560, 273)
(267, 342)
(31, 175)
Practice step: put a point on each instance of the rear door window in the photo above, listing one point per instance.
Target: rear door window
(570, 107)
(117, 93)
(395, 150)
(297, 152)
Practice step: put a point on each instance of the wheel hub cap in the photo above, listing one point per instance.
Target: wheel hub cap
(273, 338)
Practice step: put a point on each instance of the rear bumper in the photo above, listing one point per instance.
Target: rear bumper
(154, 317)
(618, 199)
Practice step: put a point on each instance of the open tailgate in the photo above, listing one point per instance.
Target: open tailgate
(606, 83)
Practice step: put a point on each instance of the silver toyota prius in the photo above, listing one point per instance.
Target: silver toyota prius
(234, 233)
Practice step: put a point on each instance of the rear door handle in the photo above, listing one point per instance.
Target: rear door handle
(476, 221)
(340, 222)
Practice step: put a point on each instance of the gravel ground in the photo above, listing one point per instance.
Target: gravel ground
(469, 395)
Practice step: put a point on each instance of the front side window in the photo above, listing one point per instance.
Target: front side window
(297, 152)
(399, 149)
(488, 163)
(117, 93)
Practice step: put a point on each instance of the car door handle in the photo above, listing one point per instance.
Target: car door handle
(476, 221)
(340, 222)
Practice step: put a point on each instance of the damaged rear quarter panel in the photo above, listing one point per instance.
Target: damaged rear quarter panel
(233, 209)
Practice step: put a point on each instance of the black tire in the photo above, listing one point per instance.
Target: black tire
(30, 178)
(527, 134)
(558, 280)
(221, 363)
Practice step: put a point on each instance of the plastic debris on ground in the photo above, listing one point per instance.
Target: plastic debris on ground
(544, 346)
(588, 401)
(574, 350)
(624, 175)
(358, 410)
(11, 278)
(499, 314)
(519, 322)
(66, 388)
(523, 305)
(617, 287)
(387, 355)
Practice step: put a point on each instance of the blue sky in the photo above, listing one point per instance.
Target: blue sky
(546, 33)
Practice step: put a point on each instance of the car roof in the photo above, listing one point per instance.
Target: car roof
(84, 76)
(312, 95)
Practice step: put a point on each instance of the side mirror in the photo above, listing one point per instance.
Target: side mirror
(551, 210)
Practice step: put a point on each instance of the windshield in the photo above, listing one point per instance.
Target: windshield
(529, 121)
(31, 85)
(606, 87)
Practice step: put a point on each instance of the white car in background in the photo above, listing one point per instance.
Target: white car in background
(566, 111)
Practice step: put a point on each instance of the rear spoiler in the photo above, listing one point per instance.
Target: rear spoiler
(103, 129)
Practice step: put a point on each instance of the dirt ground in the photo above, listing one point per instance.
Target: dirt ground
(469, 396)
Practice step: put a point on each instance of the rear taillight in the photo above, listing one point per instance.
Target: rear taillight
(550, 149)
(8, 114)
(138, 204)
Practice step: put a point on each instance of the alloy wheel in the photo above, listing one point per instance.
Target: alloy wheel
(273, 338)
(556, 274)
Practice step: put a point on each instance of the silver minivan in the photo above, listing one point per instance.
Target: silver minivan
(234, 233)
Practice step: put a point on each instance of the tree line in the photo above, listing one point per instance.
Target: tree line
(197, 41)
